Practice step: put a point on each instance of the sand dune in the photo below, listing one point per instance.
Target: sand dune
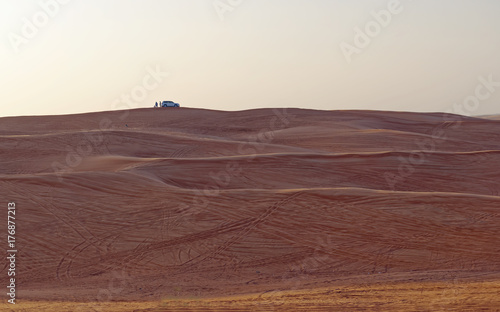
(152, 204)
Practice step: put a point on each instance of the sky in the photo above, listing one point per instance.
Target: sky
(76, 56)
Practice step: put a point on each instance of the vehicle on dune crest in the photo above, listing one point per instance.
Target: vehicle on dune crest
(169, 104)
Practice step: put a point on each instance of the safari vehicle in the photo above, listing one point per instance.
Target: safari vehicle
(169, 104)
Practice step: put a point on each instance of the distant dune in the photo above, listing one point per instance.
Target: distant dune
(494, 117)
(150, 204)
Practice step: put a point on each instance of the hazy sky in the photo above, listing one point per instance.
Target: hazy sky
(91, 55)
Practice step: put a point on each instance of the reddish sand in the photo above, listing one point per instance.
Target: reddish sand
(157, 205)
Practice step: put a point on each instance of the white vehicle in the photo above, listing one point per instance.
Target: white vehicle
(169, 104)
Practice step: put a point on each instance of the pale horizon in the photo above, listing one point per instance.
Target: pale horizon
(88, 56)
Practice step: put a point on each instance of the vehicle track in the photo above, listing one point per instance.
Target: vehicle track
(244, 231)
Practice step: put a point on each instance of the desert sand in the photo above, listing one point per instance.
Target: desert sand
(259, 210)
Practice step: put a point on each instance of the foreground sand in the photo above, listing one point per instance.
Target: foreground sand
(279, 209)
(459, 296)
